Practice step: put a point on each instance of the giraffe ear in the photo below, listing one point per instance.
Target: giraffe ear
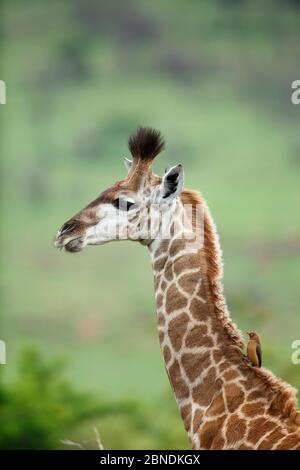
(172, 183)
(128, 164)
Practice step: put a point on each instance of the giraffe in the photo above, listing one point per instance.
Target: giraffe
(224, 402)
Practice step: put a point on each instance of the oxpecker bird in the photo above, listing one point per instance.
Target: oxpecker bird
(254, 349)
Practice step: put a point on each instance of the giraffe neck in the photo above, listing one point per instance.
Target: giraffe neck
(225, 403)
(195, 331)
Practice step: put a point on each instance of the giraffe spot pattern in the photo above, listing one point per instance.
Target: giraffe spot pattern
(235, 429)
(160, 263)
(230, 375)
(159, 301)
(186, 415)
(198, 309)
(218, 443)
(174, 300)
(218, 356)
(241, 399)
(210, 431)
(258, 427)
(197, 420)
(217, 406)
(234, 396)
(190, 361)
(177, 381)
(184, 262)
(177, 329)
(195, 336)
(253, 409)
(161, 336)
(189, 282)
(274, 436)
(288, 442)
(203, 393)
(167, 354)
(176, 246)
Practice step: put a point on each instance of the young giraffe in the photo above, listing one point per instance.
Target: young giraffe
(225, 403)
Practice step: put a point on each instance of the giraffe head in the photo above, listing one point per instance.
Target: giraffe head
(129, 208)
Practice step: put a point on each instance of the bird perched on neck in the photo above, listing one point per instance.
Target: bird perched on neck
(254, 349)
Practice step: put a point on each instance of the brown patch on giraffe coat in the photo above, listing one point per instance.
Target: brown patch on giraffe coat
(289, 442)
(159, 301)
(179, 385)
(244, 447)
(253, 409)
(189, 282)
(161, 319)
(197, 420)
(258, 427)
(202, 362)
(177, 329)
(230, 375)
(160, 263)
(207, 342)
(156, 281)
(186, 415)
(234, 396)
(163, 248)
(196, 337)
(176, 246)
(217, 443)
(235, 429)
(191, 362)
(217, 406)
(199, 309)
(255, 395)
(190, 261)
(174, 299)
(161, 336)
(210, 431)
(273, 437)
(168, 272)
(224, 366)
(218, 356)
(248, 385)
(163, 285)
(273, 410)
(204, 392)
(167, 354)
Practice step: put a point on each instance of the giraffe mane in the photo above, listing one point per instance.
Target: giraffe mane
(213, 257)
(282, 395)
(145, 144)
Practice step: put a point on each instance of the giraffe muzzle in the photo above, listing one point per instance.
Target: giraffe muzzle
(71, 237)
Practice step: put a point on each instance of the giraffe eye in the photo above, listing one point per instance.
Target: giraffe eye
(122, 204)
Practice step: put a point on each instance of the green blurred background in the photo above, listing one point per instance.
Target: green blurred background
(215, 77)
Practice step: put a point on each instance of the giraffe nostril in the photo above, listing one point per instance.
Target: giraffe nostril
(67, 227)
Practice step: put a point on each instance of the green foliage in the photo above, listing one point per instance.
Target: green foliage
(40, 406)
(40, 409)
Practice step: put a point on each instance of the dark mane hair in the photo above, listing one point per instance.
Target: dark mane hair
(146, 143)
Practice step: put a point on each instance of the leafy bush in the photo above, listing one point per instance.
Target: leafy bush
(40, 409)
(40, 406)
